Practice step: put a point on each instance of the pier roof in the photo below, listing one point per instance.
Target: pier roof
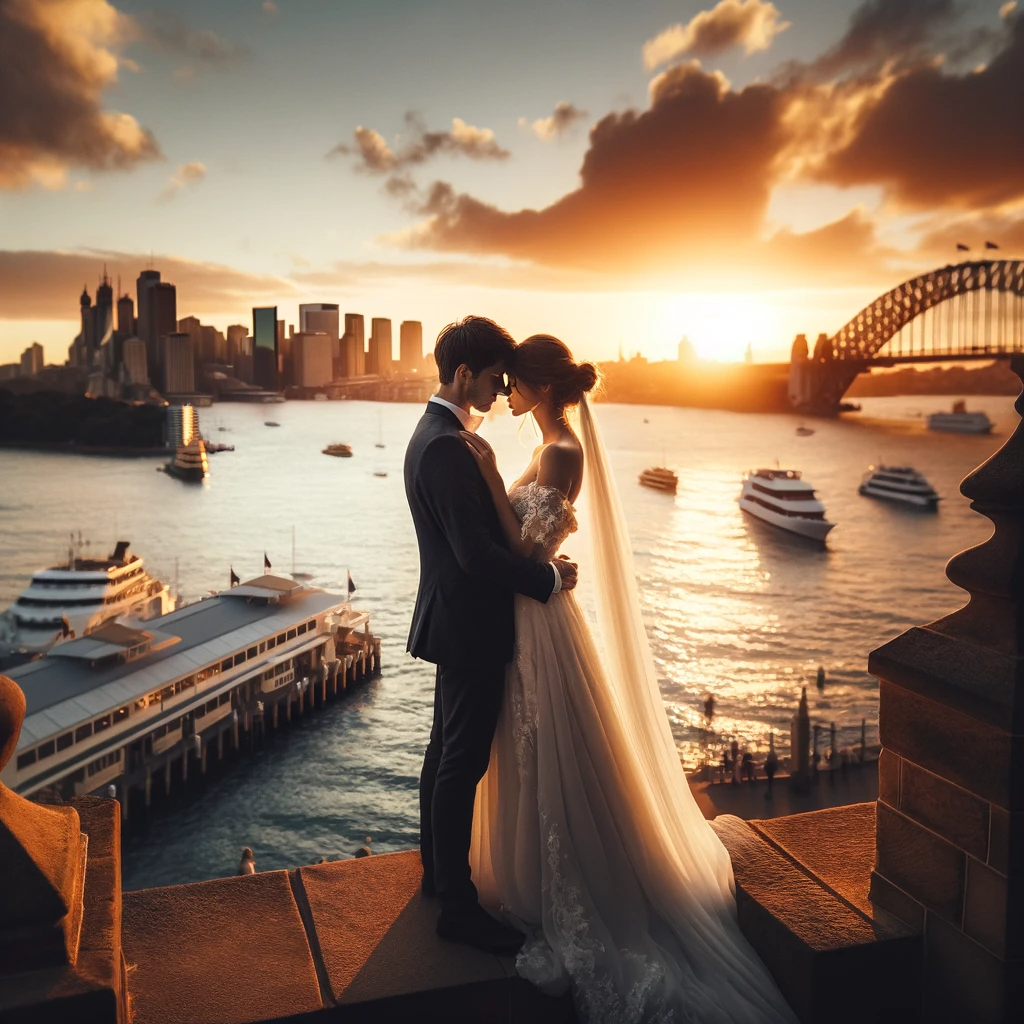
(62, 691)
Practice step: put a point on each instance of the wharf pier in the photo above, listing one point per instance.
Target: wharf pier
(133, 706)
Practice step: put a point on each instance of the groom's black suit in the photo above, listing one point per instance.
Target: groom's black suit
(463, 622)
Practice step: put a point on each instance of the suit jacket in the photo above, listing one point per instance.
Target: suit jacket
(464, 607)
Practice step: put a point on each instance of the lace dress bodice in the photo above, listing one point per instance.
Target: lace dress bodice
(546, 514)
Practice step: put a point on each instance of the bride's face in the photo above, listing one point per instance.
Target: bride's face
(524, 398)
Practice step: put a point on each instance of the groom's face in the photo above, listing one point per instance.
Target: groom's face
(485, 387)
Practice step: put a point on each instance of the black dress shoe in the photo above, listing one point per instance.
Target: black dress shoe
(473, 926)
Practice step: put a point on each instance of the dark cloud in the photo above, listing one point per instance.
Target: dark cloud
(45, 285)
(686, 183)
(377, 157)
(933, 139)
(886, 30)
(752, 24)
(199, 47)
(56, 59)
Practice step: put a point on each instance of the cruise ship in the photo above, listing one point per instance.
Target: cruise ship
(80, 596)
(783, 499)
(899, 483)
(960, 421)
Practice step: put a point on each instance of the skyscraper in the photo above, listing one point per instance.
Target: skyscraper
(353, 355)
(321, 317)
(32, 360)
(264, 347)
(410, 336)
(162, 313)
(378, 358)
(134, 361)
(312, 364)
(178, 364)
(240, 351)
(126, 316)
(145, 281)
(103, 311)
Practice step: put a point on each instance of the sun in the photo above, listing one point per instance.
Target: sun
(721, 326)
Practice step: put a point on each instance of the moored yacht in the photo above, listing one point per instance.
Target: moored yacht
(899, 483)
(960, 421)
(783, 499)
(659, 478)
(190, 461)
(79, 597)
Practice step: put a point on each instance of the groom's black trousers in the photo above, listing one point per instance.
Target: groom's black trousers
(466, 706)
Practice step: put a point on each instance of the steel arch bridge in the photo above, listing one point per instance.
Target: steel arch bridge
(973, 310)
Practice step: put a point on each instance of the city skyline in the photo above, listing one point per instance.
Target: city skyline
(736, 172)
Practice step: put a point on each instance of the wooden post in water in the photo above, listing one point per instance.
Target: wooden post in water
(184, 766)
(167, 777)
(202, 757)
(148, 787)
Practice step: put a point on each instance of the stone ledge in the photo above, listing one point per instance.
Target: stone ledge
(348, 941)
(810, 931)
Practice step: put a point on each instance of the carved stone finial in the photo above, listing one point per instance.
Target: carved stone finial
(12, 714)
(993, 572)
(43, 855)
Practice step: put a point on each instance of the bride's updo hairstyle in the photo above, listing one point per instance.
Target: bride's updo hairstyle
(542, 359)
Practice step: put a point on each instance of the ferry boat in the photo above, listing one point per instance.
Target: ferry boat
(79, 597)
(960, 421)
(899, 483)
(190, 461)
(342, 451)
(782, 498)
(660, 479)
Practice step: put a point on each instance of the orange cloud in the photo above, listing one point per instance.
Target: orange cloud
(187, 176)
(565, 116)
(58, 58)
(752, 24)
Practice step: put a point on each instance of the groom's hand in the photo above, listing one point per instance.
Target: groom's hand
(567, 570)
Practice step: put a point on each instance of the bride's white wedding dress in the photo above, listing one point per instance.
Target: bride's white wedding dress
(585, 830)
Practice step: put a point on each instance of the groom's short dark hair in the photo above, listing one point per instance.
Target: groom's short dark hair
(475, 341)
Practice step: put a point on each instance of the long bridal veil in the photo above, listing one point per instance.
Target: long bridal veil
(683, 869)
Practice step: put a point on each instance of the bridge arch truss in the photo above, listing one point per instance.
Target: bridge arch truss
(967, 289)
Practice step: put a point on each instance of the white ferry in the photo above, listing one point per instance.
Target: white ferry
(899, 483)
(77, 598)
(960, 421)
(660, 479)
(780, 497)
(190, 462)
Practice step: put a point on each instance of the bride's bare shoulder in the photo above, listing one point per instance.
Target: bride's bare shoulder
(561, 466)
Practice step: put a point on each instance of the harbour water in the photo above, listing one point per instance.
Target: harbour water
(733, 607)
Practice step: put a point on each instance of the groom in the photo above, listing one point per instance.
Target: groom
(463, 621)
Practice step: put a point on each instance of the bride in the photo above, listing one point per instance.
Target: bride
(585, 831)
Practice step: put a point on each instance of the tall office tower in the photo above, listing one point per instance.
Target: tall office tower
(126, 316)
(191, 326)
(32, 360)
(312, 363)
(163, 319)
(84, 345)
(178, 364)
(239, 346)
(322, 318)
(134, 361)
(104, 311)
(379, 355)
(212, 346)
(352, 354)
(410, 346)
(264, 347)
(145, 281)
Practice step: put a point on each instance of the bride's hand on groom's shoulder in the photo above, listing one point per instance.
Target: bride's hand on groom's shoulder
(484, 455)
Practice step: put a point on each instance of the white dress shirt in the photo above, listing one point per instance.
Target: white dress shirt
(470, 422)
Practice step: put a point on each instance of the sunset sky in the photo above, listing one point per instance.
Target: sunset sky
(620, 174)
